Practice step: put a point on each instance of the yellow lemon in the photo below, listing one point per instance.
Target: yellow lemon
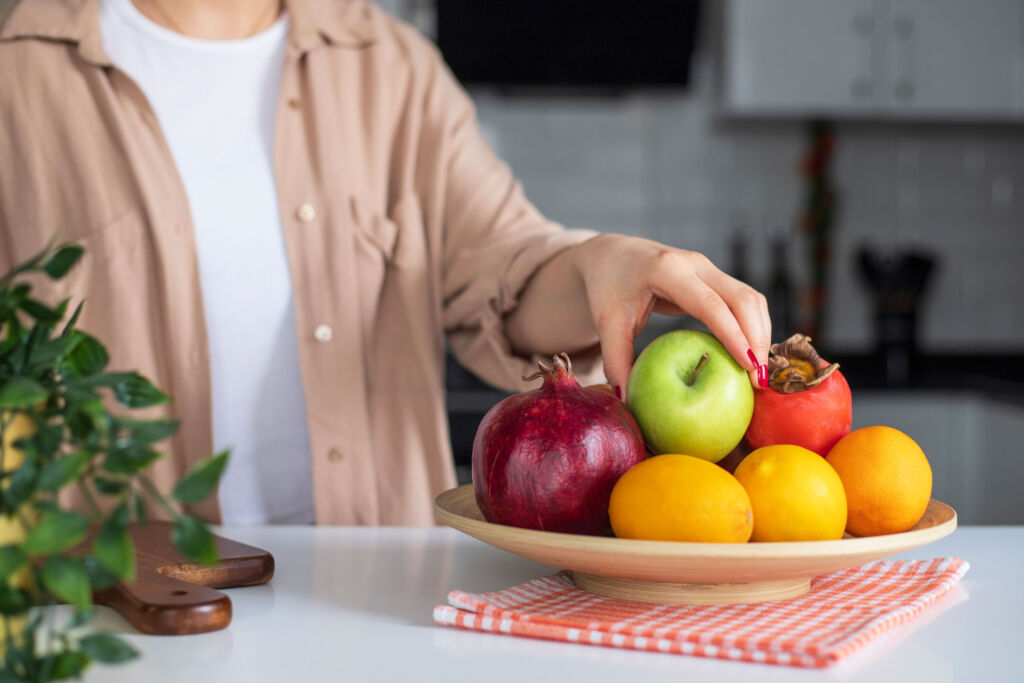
(796, 495)
(887, 478)
(17, 427)
(675, 497)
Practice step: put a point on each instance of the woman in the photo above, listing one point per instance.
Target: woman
(287, 208)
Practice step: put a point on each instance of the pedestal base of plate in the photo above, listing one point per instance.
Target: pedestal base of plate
(691, 593)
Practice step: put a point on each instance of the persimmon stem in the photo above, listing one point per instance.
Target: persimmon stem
(693, 373)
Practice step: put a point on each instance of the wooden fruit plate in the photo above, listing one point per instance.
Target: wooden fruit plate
(688, 573)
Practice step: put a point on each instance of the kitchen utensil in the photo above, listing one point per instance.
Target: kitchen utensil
(174, 596)
(897, 282)
(691, 573)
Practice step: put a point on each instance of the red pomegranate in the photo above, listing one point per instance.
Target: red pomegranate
(548, 458)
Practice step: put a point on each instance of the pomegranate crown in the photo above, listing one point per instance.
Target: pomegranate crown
(561, 366)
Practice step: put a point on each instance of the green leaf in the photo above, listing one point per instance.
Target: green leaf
(37, 336)
(131, 389)
(84, 412)
(109, 487)
(61, 261)
(140, 510)
(13, 600)
(149, 431)
(81, 616)
(113, 548)
(65, 577)
(70, 326)
(87, 357)
(56, 532)
(7, 676)
(99, 576)
(11, 560)
(107, 648)
(200, 481)
(8, 345)
(22, 486)
(21, 656)
(48, 439)
(60, 472)
(129, 460)
(30, 264)
(68, 665)
(118, 517)
(21, 392)
(194, 540)
(40, 311)
(55, 349)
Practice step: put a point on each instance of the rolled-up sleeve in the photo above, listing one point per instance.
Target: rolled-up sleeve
(494, 239)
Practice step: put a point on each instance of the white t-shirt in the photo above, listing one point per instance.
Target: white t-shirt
(216, 103)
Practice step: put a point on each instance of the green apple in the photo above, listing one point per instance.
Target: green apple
(690, 396)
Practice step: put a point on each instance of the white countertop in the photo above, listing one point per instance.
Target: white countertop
(355, 604)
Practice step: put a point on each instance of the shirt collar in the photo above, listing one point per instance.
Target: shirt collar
(348, 23)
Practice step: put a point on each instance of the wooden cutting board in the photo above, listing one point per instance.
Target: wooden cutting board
(173, 596)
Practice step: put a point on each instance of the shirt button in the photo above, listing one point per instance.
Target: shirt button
(335, 454)
(305, 213)
(323, 333)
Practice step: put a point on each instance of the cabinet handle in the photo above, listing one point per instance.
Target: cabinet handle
(904, 26)
(904, 89)
(860, 88)
(863, 23)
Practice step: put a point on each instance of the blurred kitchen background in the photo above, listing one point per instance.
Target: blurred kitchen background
(861, 162)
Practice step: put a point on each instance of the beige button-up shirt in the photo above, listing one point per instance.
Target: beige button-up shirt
(402, 229)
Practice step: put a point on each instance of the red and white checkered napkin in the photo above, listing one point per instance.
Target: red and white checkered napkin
(842, 612)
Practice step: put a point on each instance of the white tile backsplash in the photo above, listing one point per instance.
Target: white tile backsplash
(667, 167)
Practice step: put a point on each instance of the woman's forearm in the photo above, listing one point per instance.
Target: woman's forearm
(553, 314)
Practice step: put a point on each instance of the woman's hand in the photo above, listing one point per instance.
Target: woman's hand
(610, 285)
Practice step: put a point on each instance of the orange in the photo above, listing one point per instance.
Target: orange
(796, 495)
(887, 478)
(676, 497)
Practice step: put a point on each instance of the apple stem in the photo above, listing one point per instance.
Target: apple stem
(693, 375)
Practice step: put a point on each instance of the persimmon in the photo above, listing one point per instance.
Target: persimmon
(807, 401)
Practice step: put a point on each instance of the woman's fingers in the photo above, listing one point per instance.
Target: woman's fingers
(639, 276)
(749, 307)
(733, 311)
(616, 335)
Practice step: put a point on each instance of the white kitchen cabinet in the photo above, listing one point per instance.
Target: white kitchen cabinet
(954, 56)
(997, 479)
(938, 59)
(975, 445)
(791, 55)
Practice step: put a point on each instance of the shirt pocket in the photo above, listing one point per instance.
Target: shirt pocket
(115, 281)
(399, 305)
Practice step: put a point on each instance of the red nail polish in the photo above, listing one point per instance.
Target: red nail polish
(762, 370)
(618, 392)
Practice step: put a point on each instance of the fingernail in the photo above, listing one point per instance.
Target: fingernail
(762, 370)
(618, 392)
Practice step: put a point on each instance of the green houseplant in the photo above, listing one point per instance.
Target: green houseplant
(58, 433)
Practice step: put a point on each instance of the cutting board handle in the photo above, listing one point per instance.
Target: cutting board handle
(174, 596)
